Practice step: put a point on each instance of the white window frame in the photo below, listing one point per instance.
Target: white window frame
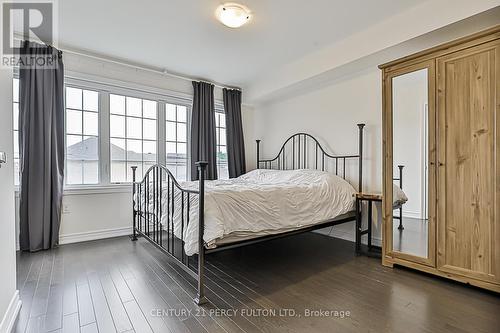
(126, 138)
(188, 107)
(15, 77)
(115, 87)
(99, 172)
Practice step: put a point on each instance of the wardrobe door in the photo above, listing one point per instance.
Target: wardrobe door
(468, 218)
(410, 155)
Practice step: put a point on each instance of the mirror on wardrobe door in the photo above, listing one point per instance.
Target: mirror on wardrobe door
(410, 163)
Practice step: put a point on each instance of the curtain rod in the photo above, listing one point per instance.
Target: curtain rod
(113, 60)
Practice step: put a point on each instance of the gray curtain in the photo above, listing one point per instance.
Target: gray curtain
(234, 130)
(41, 141)
(203, 142)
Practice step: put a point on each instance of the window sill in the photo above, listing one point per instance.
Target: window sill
(100, 189)
(89, 190)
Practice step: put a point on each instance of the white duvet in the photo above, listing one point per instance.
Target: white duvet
(261, 202)
(398, 196)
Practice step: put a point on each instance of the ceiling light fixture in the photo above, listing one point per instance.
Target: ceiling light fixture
(233, 15)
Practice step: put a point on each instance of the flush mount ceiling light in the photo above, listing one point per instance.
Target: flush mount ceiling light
(233, 15)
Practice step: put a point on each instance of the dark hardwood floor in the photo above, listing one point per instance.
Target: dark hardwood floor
(116, 285)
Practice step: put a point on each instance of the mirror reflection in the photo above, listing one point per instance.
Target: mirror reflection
(410, 163)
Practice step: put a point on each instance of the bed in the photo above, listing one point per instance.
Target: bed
(260, 203)
(303, 188)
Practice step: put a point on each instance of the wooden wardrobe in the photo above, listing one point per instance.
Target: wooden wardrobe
(451, 221)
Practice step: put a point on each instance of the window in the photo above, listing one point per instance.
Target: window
(132, 136)
(109, 129)
(82, 136)
(15, 106)
(220, 128)
(176, 140)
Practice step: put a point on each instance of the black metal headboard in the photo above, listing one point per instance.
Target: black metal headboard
(303, 151)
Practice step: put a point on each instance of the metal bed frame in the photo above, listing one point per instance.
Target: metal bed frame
(148, 208)
(400, 217)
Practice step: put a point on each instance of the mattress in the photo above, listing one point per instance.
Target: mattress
(259, 203)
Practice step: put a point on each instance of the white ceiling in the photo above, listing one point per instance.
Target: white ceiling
(182, 36)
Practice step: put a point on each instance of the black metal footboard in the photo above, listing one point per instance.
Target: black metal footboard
(156, 201)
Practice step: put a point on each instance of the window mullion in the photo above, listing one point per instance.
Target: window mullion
(127, 162)
(143, 166)
(161, 125)
(188, 142)
(104, 136)
(82, 162)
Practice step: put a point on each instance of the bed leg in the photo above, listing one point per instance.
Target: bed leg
(358, 226)
(134, 211)
(360, 151)
(400, 227)
(400, 167)
(200, 297)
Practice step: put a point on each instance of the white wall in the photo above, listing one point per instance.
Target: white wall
(330, 113)
(7, 243)
(91, 213)
(248, 114)
(409, 95)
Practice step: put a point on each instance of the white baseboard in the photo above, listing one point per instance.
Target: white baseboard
(410, 214)
(94, 235)
(11, 314)
(89, 236)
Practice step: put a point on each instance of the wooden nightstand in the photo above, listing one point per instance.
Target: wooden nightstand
(370, 198)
